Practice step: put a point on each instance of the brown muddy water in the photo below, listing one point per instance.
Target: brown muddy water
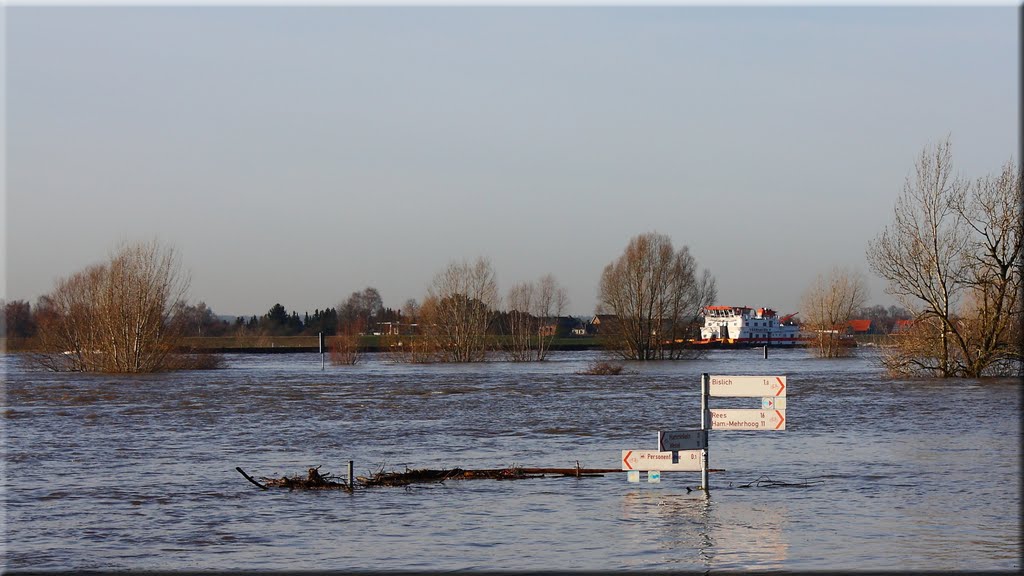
(138, 473)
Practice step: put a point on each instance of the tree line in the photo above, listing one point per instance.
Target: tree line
(952, 257)
(21, 320)
(198, 320)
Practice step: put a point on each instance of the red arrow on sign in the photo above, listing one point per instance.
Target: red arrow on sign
(625, 459)
(782, 385)
(782, 419)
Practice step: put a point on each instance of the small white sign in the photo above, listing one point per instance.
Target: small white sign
(747, 386)
(681, 461)
(741, 419)
(682, 440)
(773, 403)
(633, 476)
(653, 477)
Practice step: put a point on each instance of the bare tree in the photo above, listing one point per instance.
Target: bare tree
(68, 324)
(346, 346)
(829, 304)
(990, 316)
(533, 315)
(458, 309)
(117, 316)
(360, 309)
(197, 320)
(656, 296)
(952, 256)
(18, 320)
(411, 310)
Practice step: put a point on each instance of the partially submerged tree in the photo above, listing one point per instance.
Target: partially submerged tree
(455, 316)
(532, 318)
(829, 304)
(655, 295)
(952, 256)
(346, 346)
(116, 316)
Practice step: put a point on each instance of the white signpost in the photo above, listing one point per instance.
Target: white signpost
(771, 416)
(747, 386)
(681, 461)
(687, 450)
(743, 419)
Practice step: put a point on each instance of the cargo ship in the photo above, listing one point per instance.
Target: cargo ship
(742, 326)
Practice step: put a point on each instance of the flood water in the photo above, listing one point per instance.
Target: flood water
(112, 473)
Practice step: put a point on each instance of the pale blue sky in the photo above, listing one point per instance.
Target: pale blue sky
(296, 155)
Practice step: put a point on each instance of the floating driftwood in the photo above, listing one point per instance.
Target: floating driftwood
(382, 478)
(314, 480)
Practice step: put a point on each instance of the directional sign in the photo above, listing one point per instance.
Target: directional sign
(682, 440)
(747, 386)
(737, 419)
(686, 461)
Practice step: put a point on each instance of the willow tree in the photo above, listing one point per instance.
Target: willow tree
(829, 304)
(952, 256)
(656, 295)
(115, 316)
(458, 311)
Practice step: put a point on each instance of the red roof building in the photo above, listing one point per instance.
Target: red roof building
(859, 326)
(902, 326)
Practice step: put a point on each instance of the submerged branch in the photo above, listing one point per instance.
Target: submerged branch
(765, 482)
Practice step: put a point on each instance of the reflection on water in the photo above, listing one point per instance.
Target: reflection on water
(712, 532)
(110, 472)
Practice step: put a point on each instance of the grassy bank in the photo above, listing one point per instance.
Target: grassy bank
(272, 344)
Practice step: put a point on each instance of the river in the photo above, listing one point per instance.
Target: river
(109, 472)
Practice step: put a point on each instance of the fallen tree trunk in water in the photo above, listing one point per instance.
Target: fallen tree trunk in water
(316, 481)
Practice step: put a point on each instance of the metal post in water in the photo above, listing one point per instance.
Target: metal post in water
(705, 382)
(321, 351)
(351, 479)
(765, 350)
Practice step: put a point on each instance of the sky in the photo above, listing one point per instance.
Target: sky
(295, 155)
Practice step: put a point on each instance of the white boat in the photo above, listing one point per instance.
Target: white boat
(743, 326)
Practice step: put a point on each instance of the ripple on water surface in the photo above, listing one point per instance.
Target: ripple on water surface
(871, 473)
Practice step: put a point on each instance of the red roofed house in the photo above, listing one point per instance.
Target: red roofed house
(859, 327)
(902, 326)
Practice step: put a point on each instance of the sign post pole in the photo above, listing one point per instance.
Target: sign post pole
(704, 426)
(321, 351)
